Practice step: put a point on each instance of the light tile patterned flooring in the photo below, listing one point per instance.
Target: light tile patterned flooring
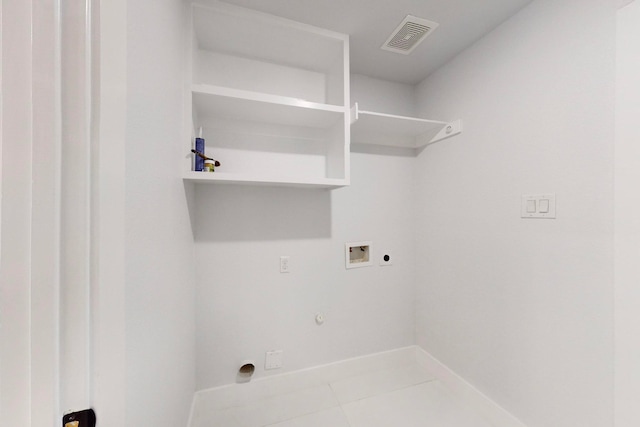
(402, 397)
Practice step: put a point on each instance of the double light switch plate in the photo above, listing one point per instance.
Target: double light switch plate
(539, 206)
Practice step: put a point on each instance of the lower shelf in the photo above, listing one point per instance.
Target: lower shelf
(229, 178)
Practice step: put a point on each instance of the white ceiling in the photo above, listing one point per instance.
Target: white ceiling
(370, 22)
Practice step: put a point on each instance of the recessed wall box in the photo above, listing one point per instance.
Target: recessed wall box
(358, 254)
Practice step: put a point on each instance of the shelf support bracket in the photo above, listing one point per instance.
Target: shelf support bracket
(450, 129)
(354, 113)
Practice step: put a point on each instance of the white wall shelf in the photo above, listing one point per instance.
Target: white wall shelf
(280, 181)
(221, 102)
(369, 127)
(271, 97)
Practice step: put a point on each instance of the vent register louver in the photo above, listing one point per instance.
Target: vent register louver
(409, 34)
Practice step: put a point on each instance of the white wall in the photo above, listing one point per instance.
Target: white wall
(246, 306)
(159, 246)
(627, 205)
(523, 309)
(383, 96)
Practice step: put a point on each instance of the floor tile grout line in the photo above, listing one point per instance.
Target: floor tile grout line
(344, 413)
(300, 416)
(339, 404)
(310, 413)
(390, 391)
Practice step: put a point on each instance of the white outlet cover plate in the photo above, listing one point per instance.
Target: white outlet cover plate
(273, 359)
(550, 200)
(284, 264)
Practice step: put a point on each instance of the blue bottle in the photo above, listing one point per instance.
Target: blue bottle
(199, 161)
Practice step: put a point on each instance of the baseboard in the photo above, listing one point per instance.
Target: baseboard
(237, 394)
(465, 392)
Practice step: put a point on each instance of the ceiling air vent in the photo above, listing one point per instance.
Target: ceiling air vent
(409, 34)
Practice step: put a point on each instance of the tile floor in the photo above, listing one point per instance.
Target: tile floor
(402, 397)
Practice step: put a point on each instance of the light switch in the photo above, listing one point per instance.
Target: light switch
(539, 206)
(544, 206)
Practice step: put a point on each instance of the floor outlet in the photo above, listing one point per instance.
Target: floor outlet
(273, 360)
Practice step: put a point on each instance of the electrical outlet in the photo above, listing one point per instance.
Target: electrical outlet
(284, 264)
(386, 259)
(273, 359)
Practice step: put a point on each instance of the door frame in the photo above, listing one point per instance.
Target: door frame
(62, 139)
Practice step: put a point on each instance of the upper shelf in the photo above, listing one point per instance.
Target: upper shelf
(369, 127)
(247, 33)
(271, 97)
(217, 101)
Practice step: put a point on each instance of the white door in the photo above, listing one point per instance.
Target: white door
(627, 219)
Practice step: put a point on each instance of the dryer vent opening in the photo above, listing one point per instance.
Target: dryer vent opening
(245, 372)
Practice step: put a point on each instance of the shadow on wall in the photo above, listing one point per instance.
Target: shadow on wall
(383, 150)
(227, 213)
